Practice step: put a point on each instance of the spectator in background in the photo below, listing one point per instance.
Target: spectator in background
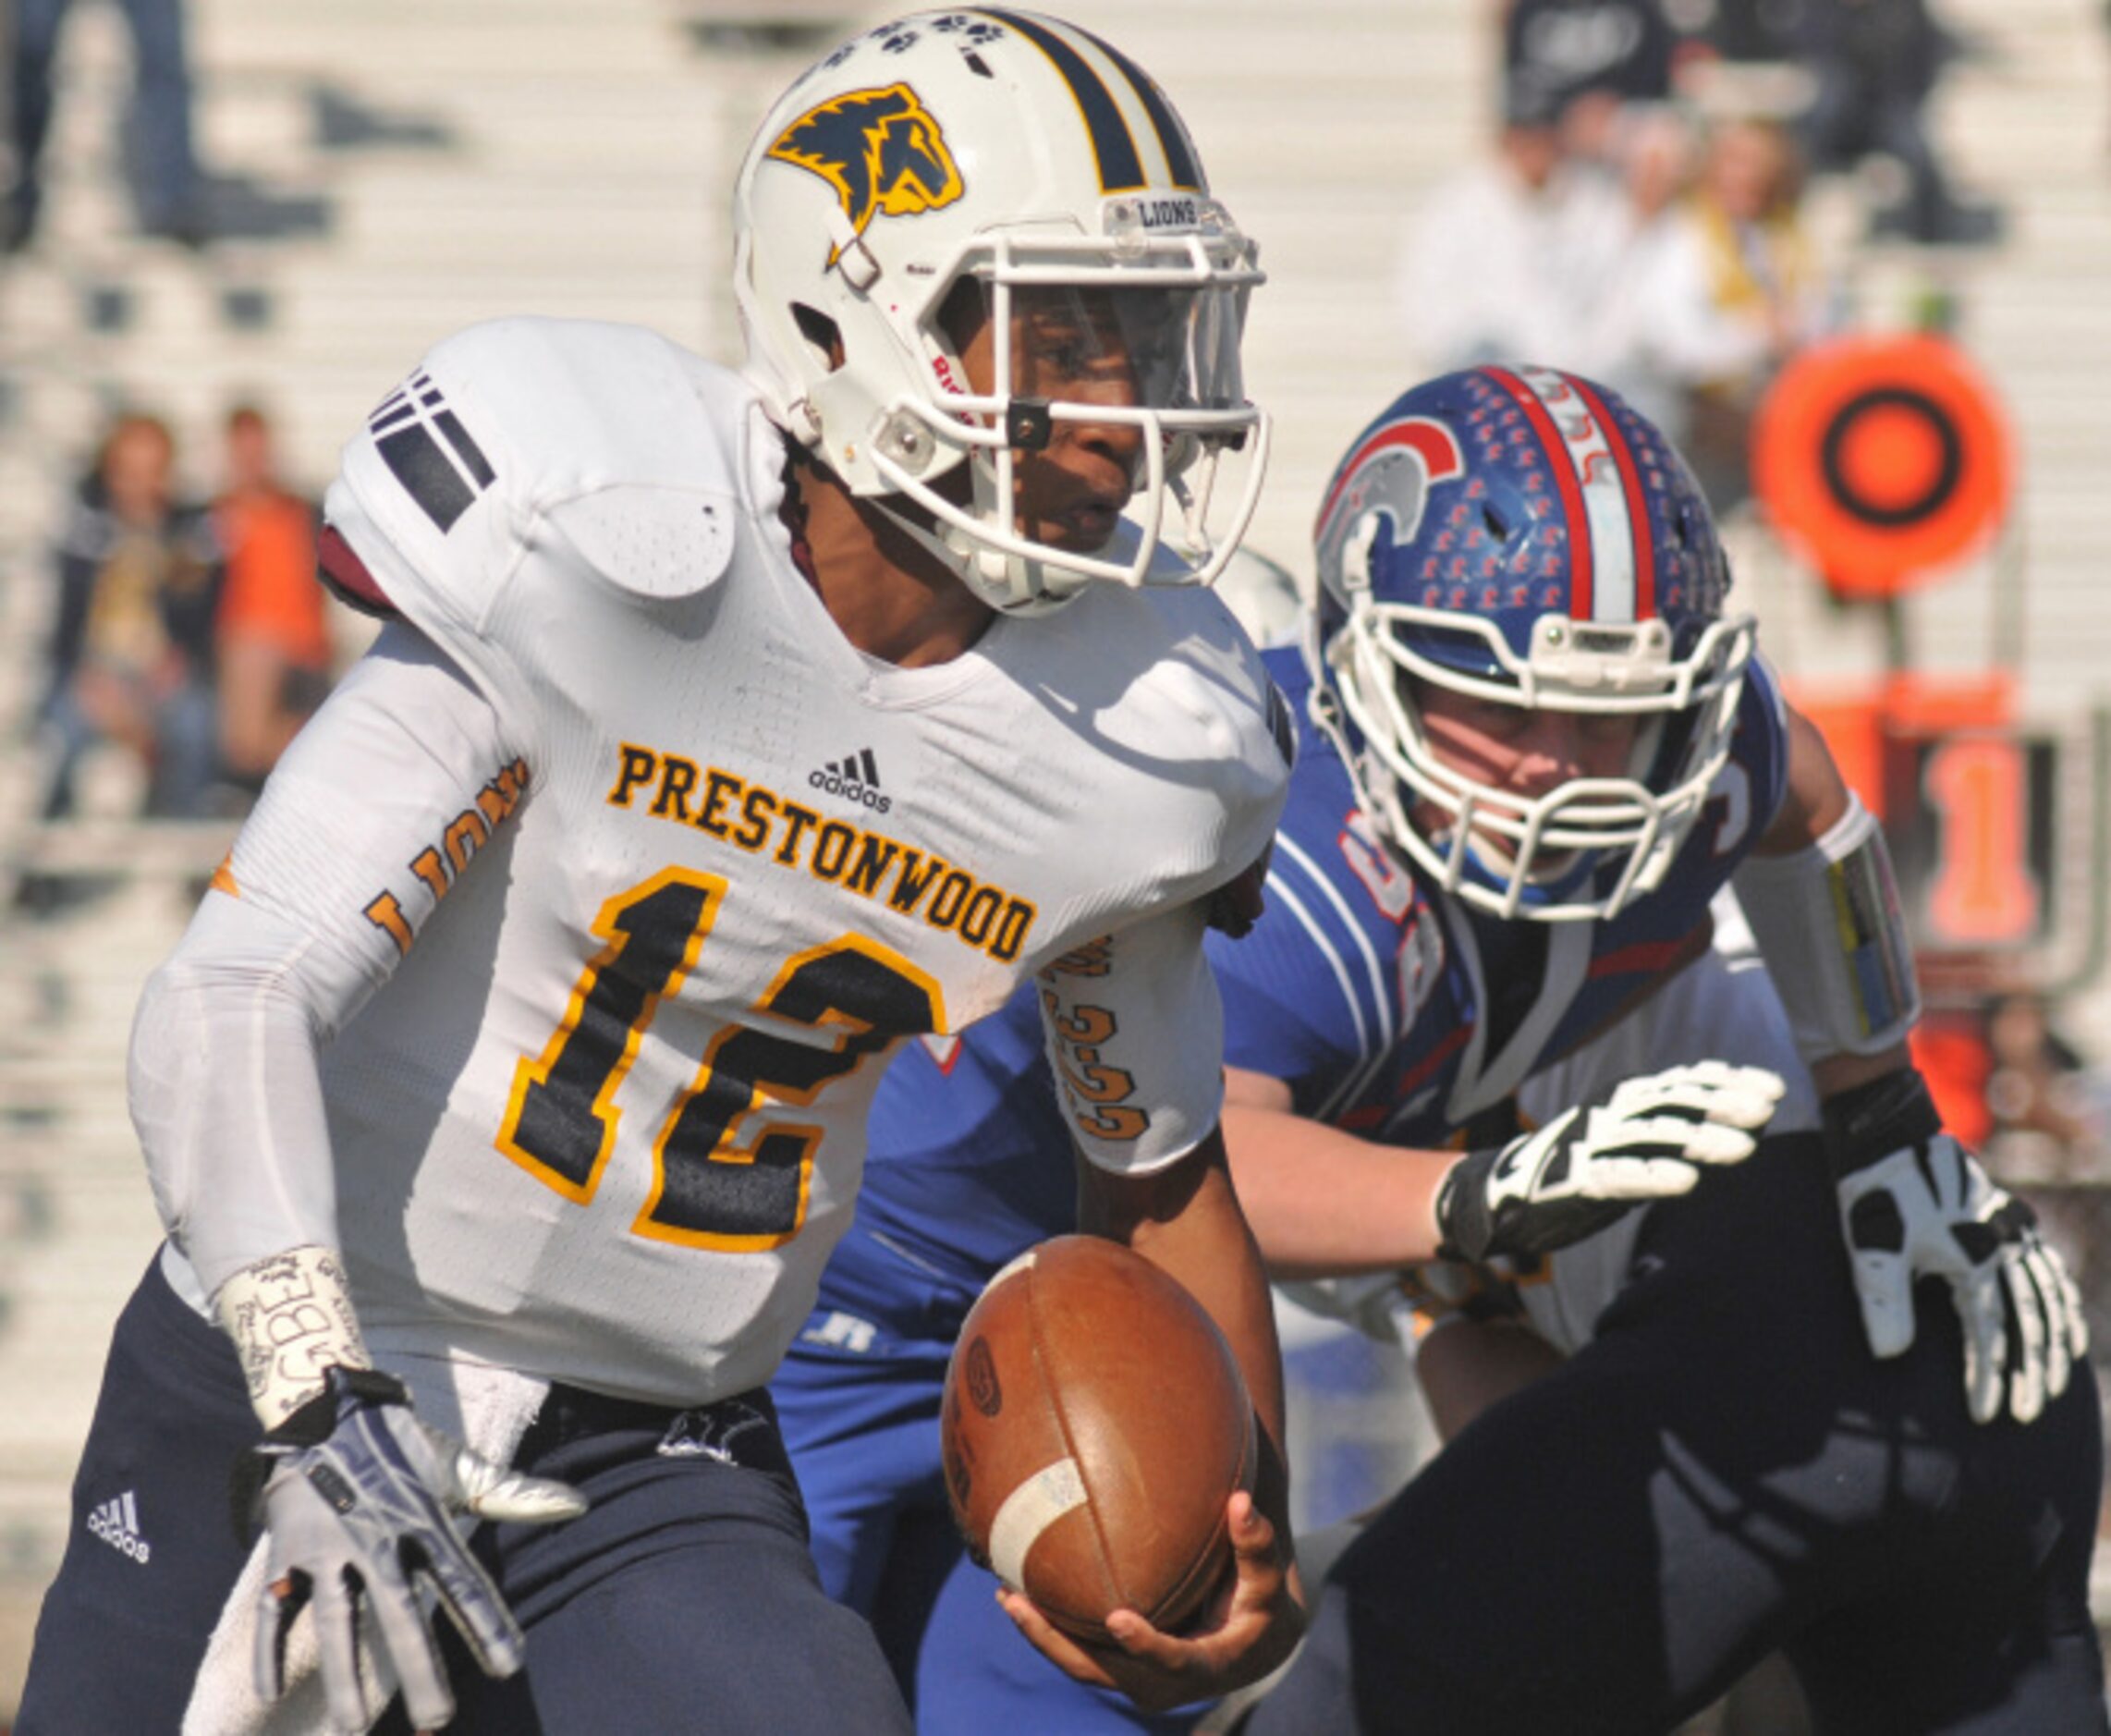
(1653, 153)
(1559, 50)
(1874, 63)
(1585, 61)
(1721, 287)
(161, 164)
(1514, 255)
(272, 631)
(2040, 1083)
(140, 579)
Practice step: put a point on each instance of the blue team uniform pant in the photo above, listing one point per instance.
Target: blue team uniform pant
(683, 1599)
(1724, 1473)
(863, 1432)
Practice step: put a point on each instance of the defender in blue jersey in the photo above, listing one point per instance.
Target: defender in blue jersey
(1535, 754)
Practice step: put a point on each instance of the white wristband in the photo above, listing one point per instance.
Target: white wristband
(1828, 923)
(290, 1317)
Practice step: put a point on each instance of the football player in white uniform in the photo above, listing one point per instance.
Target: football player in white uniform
(506, 1094)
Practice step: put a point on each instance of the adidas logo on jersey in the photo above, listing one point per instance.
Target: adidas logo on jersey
(857, 776)
(117, 1521)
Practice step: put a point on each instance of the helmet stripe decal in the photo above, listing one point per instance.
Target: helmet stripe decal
(1638, 502)
(1172, 137)
(1588, 444)
(1430, 441)
(1114, 146)
(1581, 565)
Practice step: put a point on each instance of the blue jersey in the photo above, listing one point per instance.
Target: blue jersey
(969, 1162)
(1398, 1013)
(1388, 1009)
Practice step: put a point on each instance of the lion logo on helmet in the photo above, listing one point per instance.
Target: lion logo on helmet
(882, 149)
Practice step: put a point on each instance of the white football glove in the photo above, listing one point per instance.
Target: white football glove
(1587, 1167)
(355, 1494)
(1915, 1204)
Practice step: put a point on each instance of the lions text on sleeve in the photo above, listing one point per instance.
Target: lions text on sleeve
(606, 1120)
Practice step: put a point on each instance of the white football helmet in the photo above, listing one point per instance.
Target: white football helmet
(1024, 154)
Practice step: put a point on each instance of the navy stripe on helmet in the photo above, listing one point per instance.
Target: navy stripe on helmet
(1121, 167)
(1172, 137)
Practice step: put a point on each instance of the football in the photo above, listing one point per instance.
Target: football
(1095, 1425)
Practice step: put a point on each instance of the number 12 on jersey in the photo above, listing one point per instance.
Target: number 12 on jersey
(709, 1190)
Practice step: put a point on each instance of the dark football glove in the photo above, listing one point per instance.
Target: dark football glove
(1915, 1204)
(1587, 1167)
(355, 1492)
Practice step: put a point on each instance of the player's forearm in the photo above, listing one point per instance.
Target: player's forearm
(228, 1103)
(318, 903)
(1187, 1221)
(1293, 1174)
(226, 1097)
(1833, 1074)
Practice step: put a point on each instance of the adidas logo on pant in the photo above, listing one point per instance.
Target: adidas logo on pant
(117, 1523)
(856, 776)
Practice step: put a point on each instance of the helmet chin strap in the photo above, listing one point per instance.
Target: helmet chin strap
(1009, 584)
(1497, 867)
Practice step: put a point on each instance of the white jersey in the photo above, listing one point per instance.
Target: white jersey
(651, 869)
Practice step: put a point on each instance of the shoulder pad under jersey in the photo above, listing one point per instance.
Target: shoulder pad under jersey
(607, 446)
(1217, 706)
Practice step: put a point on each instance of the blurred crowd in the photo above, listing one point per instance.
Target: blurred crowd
(1640, 214)
(159, 159)
(189, 639)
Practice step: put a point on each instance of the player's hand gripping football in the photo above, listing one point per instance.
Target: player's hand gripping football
(1915, 1204)
(355, 1494)
(1246, 1630)
(1649, 1140)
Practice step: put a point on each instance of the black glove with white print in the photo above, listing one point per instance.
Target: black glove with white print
(1915, 1204)
(1649, 1140)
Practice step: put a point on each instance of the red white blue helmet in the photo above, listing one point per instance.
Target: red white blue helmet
(1524, 536)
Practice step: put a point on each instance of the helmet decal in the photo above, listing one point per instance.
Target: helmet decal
(1180, 165)
(1121, 169)
(882, 152)
(1389, 472)
(1601, 497)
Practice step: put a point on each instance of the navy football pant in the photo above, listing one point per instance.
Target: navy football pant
(1724, 1473)
(683, 1599)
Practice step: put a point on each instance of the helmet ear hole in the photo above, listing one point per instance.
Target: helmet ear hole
(820, 331)
(961, 313)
